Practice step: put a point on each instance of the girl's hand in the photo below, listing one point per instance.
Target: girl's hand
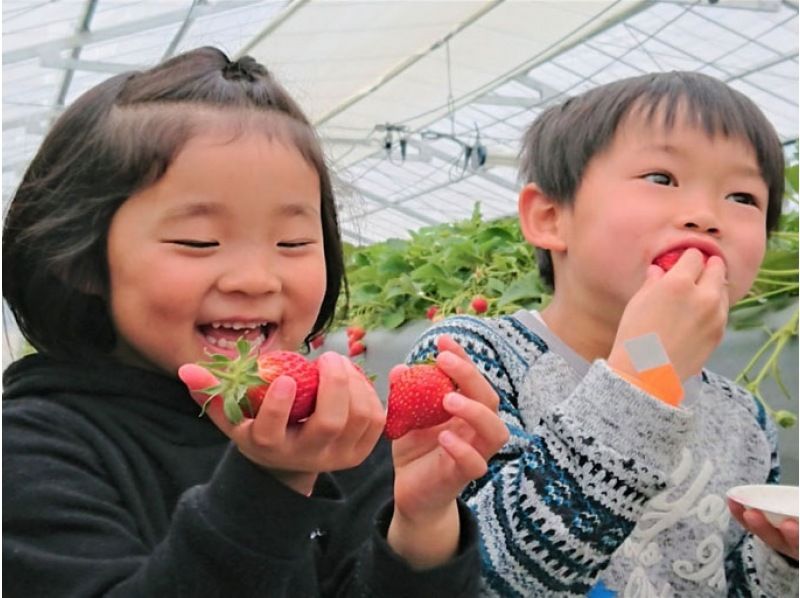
(341, 433)
(686, 307)
(783, 538)
(433, 465)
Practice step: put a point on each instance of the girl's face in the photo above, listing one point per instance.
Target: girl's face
(655, 189)
(228, 243)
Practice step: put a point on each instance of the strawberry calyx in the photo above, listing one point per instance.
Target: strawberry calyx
(235, 377)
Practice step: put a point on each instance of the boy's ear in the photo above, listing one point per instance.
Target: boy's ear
(540, 218)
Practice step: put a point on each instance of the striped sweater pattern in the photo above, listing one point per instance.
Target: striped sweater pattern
(601, 482)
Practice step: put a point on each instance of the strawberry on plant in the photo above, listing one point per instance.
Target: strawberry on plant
(667, 260)
(432, 311)
(244, 380)
(479, 304)
(317, 341)
(415, 399)
(355, 348)
(355, 333)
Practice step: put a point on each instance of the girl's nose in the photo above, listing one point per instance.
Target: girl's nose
(250, 273)
(701, 225)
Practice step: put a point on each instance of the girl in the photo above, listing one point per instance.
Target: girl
(167, 213)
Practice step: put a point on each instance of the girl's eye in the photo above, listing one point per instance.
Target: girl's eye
(743, 198)
(294, 244)
(659, 178)
(193, 243)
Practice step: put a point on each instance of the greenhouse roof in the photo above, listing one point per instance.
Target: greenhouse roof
(420, 105)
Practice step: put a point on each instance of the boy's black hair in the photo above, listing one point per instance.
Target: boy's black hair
(116, 139)
(563, 139)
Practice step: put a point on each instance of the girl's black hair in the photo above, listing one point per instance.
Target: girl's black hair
(563, 139)
(116, 139)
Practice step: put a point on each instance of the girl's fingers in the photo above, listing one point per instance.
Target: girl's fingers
(758, 524)
(269, 425)
(448, 343)
(467, 460)
(468, 379)
(333, 399)
(197, 378)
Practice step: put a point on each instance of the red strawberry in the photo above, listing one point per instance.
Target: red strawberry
(317, 341)
(355, 333)
(355, 348)
(431, 313)
(415, 399)
(667, 260)
(479, 305)
(245, 379)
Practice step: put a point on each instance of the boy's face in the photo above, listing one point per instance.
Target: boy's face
(227, 243)
(653, 190)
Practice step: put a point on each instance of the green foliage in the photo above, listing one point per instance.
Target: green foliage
(447, 265)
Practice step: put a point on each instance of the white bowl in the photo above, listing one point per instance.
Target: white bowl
(778, 503)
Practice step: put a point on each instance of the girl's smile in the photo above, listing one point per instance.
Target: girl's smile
(227, 244)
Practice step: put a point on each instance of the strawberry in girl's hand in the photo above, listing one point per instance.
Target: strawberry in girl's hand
(415, 399)
(667, 260)
(244, 380)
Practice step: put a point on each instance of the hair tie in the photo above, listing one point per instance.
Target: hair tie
(246, 68)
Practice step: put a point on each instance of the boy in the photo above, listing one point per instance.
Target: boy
(608, 483)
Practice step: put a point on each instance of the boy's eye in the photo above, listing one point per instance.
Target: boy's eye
(193, 243)
(743, 198)
(659, 178)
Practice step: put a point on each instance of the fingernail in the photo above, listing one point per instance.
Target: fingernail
(447, 438)
(453, 400)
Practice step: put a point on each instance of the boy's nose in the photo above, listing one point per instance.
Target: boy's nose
(700, 225)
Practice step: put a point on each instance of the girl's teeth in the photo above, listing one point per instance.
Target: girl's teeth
(224, 343)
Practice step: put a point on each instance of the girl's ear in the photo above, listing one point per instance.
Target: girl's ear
(540, 218)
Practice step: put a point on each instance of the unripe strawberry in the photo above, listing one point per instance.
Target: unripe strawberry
(479, 305)
(415, 399)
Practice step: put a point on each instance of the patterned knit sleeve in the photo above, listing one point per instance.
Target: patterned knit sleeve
(569, 485)
(753, 568)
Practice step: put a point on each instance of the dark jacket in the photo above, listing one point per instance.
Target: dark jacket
(113, 486)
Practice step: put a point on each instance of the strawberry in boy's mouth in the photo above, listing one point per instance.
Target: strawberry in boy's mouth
(668, 259)
(222, 335)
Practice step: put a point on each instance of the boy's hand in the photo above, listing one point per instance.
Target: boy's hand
(341, 433)
(433, 465)
(686, 307)
(783, 538)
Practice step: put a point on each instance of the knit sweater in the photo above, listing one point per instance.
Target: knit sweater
(600, 483)
(113, 486)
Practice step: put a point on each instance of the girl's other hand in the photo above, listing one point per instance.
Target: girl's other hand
(341, 433)
(782, 538)
(433, 465)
